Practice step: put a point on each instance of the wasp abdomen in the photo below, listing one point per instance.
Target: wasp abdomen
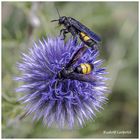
(84, 68)
(88, 41)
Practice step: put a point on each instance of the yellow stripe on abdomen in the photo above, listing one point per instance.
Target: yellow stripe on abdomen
(84, 36)
(86, 68)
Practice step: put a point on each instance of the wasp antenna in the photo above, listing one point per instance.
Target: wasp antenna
(57, 12)
(54, 20)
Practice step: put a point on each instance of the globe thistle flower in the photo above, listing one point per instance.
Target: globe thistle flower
(69, 102)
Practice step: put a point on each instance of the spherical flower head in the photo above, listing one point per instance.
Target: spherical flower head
(62, 102)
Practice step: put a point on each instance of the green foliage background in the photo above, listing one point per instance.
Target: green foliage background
(115, 22)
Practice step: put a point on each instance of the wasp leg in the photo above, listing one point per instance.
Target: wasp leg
(64, 32)
(55, 87)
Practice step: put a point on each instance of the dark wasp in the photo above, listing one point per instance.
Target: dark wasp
(76, 28)
(81, 72)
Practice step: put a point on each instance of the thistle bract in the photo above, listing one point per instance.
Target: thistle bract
(69, 103)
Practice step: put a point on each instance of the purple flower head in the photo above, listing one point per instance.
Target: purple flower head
(63, 102)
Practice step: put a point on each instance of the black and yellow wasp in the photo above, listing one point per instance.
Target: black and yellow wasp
(81, 72)
(76, 28)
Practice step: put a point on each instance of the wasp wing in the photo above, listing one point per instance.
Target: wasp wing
(82, 77)
(79, 26)
(77, 56)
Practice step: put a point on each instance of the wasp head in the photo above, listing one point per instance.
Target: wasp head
(61, 20)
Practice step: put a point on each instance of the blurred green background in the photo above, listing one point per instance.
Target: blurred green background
(115, 22)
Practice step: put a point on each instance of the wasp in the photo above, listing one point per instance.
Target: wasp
(76, 28)
(81, 72)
